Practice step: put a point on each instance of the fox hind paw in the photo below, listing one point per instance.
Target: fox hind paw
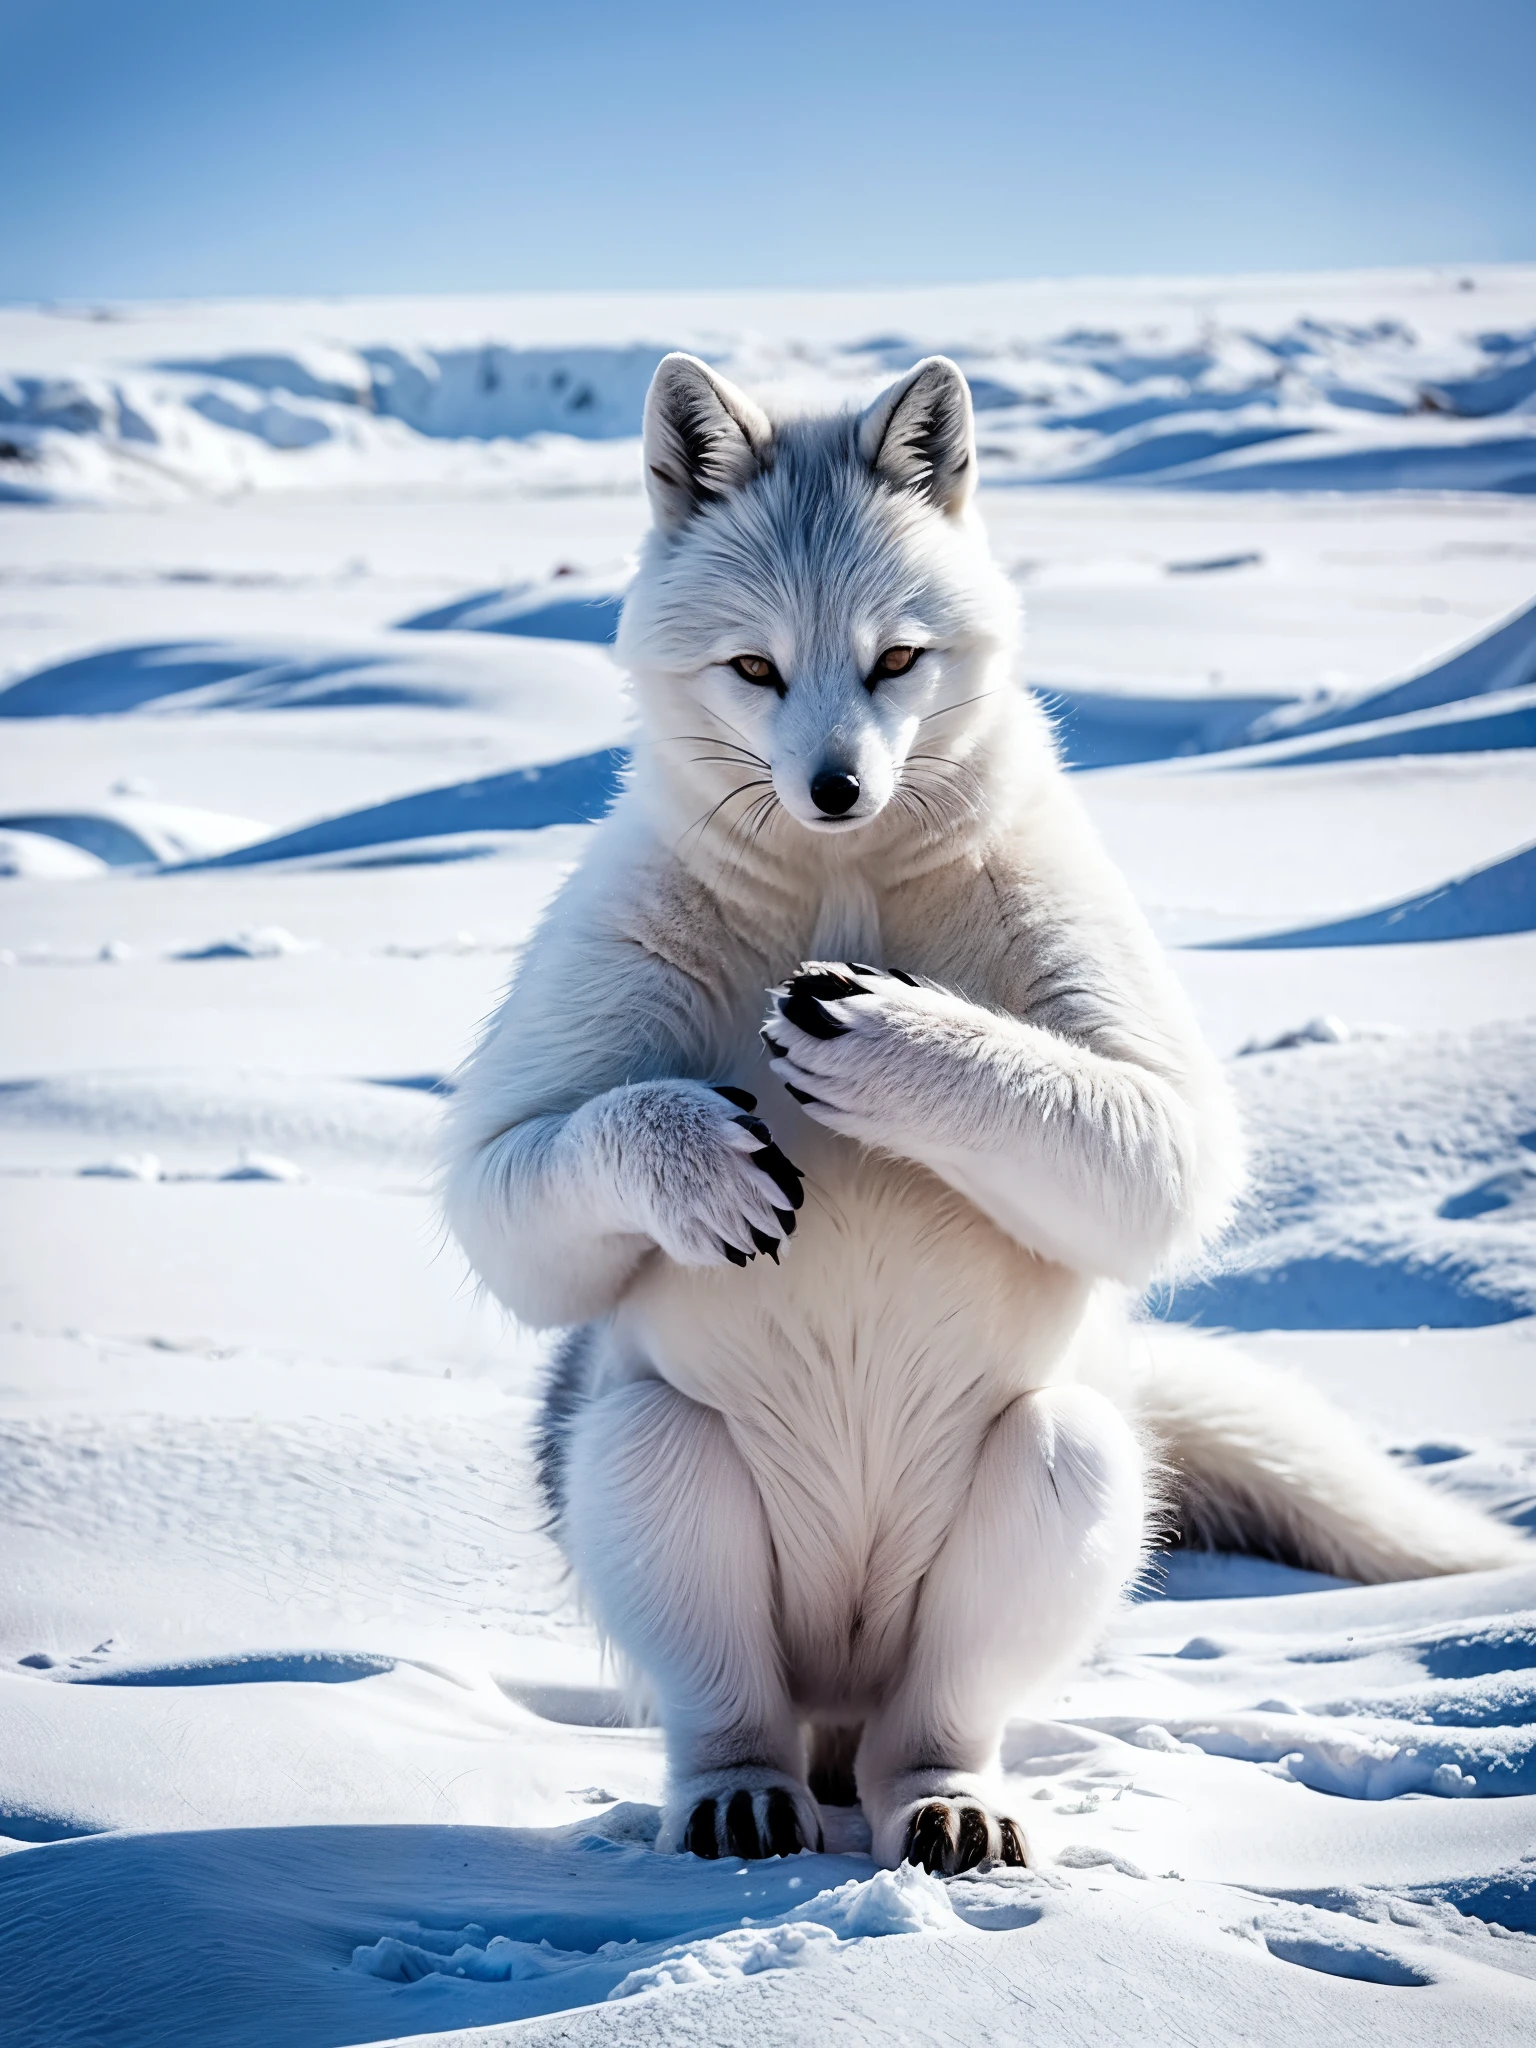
(949, 1835)
(751, 1821)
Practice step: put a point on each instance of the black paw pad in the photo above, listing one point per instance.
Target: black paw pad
(699, 1840)
(930, 1842)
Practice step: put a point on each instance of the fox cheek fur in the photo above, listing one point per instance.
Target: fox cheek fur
(834, 1128)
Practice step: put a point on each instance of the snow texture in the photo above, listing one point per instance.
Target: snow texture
(303, 1739)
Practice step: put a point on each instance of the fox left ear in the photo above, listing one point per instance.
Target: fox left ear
(921, 436)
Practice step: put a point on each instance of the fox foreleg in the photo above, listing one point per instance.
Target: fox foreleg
(1086, 1159)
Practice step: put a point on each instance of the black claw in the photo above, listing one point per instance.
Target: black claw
(800, 1094)
(785, 1177)
(736, 1258)
(779, 1051)
(786, 1221)
(804, 1010)
(756, 1127)
(700, 1837)
(901, 974)
(973, 1845)
(783, 1824)
(741, 1826)
(739, 1096)
(827, 985)
(764, 1242)
(1013, 1844)
(858, 967)
(928, 1838)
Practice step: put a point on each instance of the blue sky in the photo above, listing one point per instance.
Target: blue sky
(158, 148)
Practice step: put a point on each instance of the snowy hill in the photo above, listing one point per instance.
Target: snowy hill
(306, 707)
(1232, 384)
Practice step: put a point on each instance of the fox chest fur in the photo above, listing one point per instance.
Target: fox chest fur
(860, 1374)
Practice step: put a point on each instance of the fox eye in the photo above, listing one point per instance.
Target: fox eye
(894, 662)
(757, 668)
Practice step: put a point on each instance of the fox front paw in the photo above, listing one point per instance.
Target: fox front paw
(707, 1182)
(749, 1812)
(856, 1047)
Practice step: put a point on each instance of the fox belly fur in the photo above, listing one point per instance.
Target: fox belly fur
(837, 1105)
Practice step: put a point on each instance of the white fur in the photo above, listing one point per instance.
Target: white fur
(860, 1487)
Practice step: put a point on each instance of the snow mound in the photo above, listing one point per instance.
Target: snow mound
(521, 800)
(273, 1124)
(1363, 1155)
(1437, 709)
(905, 1901)
(234, 675)
(41, 857)
(1503, 658)
(1487, 903)
(267, 942)
(133, 831)
(568, 607)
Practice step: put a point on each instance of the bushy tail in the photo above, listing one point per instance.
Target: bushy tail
(1259, 1463)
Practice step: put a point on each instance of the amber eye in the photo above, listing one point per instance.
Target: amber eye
(757, 668)
(894, 662)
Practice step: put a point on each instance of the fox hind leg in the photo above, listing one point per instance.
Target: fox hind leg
(666, 1530)
(1050, 1532)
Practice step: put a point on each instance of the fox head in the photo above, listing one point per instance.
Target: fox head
(817, 635)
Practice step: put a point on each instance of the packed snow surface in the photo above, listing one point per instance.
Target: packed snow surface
(307, 708)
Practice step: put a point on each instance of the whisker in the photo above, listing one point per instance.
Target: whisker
(944, 709)
(711, 739)
(701, 824)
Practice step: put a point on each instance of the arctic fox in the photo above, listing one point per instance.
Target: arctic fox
(841, 1099)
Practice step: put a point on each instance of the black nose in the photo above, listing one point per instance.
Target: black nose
(834, 791)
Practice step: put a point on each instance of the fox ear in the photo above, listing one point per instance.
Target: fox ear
(920, 434)
(703, 437)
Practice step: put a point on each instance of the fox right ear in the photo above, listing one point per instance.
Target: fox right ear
(921, 436)
(703, 437)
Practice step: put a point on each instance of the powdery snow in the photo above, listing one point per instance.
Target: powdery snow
(302, 1738)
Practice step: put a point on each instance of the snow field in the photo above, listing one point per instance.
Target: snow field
(302, 1737)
